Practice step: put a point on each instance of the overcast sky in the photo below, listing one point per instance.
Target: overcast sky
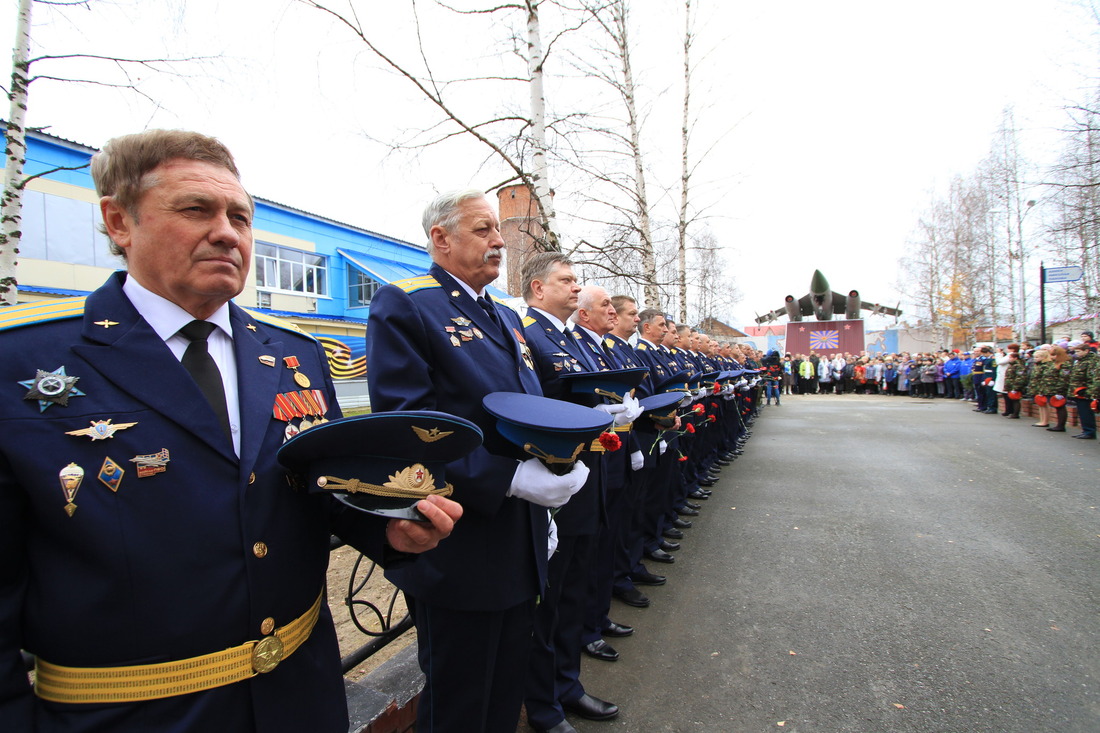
(833, 124)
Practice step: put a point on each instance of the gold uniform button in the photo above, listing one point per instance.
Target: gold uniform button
(252, 478)
(267, 626)
(259, 549)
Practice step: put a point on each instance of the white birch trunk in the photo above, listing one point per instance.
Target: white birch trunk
(685, 171)
(649, 260)
(11, 205)
(540, 180)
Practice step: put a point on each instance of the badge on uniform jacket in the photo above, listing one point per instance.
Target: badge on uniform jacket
(101, 429)
(300, 379)
(70, 478)
(51, 388)
(110, 473)
(151, 463)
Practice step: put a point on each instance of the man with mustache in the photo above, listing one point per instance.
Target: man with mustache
(437, 342)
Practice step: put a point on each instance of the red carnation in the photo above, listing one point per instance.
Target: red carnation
(717, 388)
(683, 458)
(689, 428)
(698, 409)
(610, 441)
(714, 405)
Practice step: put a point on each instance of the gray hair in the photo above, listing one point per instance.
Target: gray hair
(538, 267)
(586, 298)
(443, 211)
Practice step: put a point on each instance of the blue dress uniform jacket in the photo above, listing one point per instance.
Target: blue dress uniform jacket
(167, 566)
(555, 352)
(433, 348)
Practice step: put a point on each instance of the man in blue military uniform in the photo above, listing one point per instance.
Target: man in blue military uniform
(553, 686)
(438, 343)
(144, 526)
(593, 320)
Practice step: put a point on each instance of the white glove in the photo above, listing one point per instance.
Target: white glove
(621, 413)
(701, 393)
(742, 383)
(687, 399)
(534, 482)
(637, 460)
(552, 539)
(662, 446)
(634, 407)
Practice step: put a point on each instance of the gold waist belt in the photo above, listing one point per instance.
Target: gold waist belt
(167, 679)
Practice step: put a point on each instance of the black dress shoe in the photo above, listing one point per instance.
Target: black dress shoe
(690, 505)
(632, 597)
(673, 534)
(706, 482)
(614, 629)
(723, 462)
(683, 523)
(699, 494)
(647, 578)
(1086, 436)
(601, 650)
(562, 727)
(669, 546)
(591, 708)
(687, 512)
(660, 556)
(1057, 430)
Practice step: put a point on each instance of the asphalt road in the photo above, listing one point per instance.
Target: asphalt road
(876, 564)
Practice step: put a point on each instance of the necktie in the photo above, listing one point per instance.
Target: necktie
(578, 351)
(489, 309)
(202, 368)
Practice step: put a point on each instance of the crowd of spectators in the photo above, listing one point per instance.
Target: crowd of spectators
(997, 380)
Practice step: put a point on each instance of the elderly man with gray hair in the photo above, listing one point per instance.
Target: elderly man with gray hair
(438, 342)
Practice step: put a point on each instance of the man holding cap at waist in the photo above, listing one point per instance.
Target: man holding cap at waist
(154, 556)
(439, 342)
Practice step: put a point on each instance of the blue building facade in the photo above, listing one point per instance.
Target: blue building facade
(316, 272)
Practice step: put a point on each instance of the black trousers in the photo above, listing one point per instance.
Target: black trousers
(475, 666)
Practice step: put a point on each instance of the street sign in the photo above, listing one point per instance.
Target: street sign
(1062, 274)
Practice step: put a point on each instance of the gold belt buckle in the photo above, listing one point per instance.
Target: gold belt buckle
(267, 654)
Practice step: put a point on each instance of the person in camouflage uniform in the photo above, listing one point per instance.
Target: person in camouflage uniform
(1016, 379)
(1040, 365)
(1083, 380)
(1055, 383)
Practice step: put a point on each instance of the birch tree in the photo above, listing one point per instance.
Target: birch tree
(93, 70)
(518, 141)
(621, 190)
(15, 151)
(685, 167)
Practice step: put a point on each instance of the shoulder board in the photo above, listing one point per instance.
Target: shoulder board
(28, 314)
(641, 347)
(495, 299)
(277, 322)
(412, 284)
(609, 343)
(577, 335)
(528, 321)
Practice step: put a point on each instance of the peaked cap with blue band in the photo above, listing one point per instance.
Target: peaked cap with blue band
(381, 463)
